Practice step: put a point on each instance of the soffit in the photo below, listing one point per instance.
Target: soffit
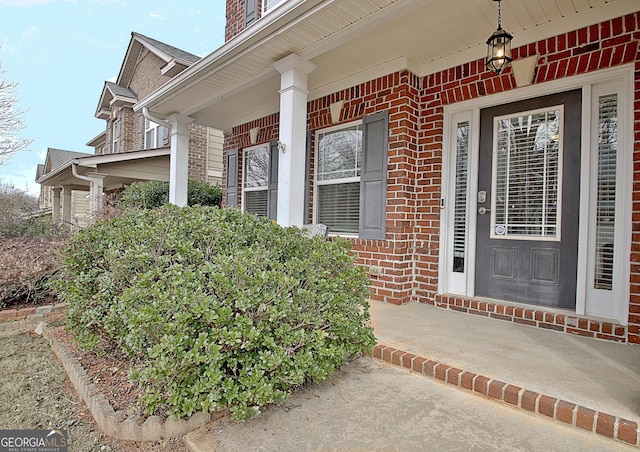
(347, 37)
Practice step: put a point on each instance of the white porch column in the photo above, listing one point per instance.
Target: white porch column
(66, 204)
(55, 207)
(96, 192)
(294, 72)
(179, 160)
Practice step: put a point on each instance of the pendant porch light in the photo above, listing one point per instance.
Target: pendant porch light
(499, 47)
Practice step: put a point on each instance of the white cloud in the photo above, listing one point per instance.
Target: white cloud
(112, 79)
(156, 15)
(23, 180)
(26, 3)
(29, 32)
(42, 155)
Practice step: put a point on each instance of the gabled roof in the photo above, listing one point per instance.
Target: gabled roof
(173, 56)
(39, 170)
(114, 95)
(58, 157)
(118, 94)
(98, 139)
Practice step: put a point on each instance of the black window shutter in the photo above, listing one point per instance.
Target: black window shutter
(140, 132)
(231, 191)
(250, 12)
(307, 178)
(373, 180)
(272, 198)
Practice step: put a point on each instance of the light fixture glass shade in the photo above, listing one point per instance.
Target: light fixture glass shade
(499, 50)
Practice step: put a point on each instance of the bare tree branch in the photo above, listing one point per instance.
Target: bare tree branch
(11, 120)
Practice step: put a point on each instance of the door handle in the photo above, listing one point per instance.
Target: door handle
(483, 211)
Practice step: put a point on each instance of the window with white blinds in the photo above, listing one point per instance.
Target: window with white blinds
(606, 190)
(256, 174)
(338, 178)
(527, 175)
(460, 204)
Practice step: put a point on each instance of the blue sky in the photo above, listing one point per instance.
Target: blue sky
(61, 51)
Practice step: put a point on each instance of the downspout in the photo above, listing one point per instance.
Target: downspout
(150, 117)
(74, 171)
(94, 197)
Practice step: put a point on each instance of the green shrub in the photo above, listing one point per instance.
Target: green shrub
(153, 194)
(201, 193)
(219, 309)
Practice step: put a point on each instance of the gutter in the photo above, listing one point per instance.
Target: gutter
(150, 117)
(74, 171)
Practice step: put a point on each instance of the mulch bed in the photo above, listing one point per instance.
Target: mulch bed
(108, 371)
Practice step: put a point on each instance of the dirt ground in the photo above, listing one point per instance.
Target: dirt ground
(36, 394)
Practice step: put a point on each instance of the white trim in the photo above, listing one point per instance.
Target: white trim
(265, 187)
(317, 183)
(597, 301)
(623, 75)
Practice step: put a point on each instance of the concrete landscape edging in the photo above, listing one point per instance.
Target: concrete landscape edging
(117, 424)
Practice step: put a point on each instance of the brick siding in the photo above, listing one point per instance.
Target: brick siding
(147, 76)
(235, 18)
(600, 46)
(409, 255)
(197, 152)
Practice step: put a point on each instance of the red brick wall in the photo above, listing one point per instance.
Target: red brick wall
(238, 138)
(235, 18)
(601, 46)
(409, 255)
(399, 94)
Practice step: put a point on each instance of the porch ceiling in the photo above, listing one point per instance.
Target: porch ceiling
(353, 41)
(118, 169)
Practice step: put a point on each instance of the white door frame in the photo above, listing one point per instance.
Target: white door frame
(464, 284)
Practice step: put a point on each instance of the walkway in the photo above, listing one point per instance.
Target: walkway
(586, 382)
(370, 405)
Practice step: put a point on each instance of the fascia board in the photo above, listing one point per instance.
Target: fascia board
(94, 160)
(287, 14)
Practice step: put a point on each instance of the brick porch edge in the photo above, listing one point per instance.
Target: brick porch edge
(557, 409)
(118, 424)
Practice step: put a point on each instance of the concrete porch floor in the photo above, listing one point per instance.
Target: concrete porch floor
(599, 375)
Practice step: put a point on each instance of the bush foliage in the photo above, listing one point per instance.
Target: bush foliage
(219, 309)
(152, 194)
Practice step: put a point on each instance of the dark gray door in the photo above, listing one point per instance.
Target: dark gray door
(528, 200)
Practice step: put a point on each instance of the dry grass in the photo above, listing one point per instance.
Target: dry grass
(26, 265)
(36, 394)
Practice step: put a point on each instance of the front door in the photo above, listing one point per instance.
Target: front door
(528, 201)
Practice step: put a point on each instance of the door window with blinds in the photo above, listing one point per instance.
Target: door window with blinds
(339, 159)
(606, 191)
(460, 206)
(256, 177)
(527, 181)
